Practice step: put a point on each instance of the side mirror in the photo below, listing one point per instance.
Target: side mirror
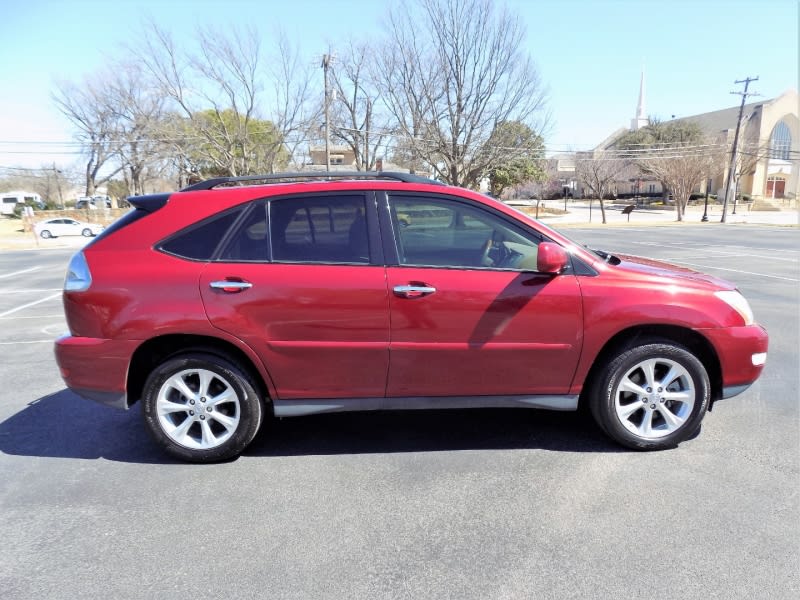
(551, 259)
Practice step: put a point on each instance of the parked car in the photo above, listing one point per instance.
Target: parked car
(93, 203)
(64, 226)
(241, 297)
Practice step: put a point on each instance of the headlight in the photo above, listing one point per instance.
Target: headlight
(737, 302)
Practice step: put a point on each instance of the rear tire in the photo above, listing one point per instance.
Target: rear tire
(201, 407)
(651, 397)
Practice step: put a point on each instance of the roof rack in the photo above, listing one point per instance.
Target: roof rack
(210, 184)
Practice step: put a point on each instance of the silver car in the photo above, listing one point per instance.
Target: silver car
(64, 226)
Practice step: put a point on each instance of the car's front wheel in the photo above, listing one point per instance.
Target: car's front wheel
(201, 407)
(651, 396)
(86, 232)
(46, 234)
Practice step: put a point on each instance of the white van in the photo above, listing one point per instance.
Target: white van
(9, 201)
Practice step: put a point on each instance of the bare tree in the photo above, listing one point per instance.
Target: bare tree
(677, 153)
(598, 173)
(682, 168)
(452, 70)
(214, 90)
(217, 93)
(138, 114)
(355, 121)
(85, 106)
(295, 110)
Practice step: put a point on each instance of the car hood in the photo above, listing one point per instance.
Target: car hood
(657, 268)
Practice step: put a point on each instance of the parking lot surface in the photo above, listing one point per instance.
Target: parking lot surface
(450, 504)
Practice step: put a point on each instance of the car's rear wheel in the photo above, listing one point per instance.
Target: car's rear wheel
(201, 407)
(651, 396)
(86, 232)
(46, 234)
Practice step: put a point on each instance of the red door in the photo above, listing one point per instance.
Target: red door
(321, 330)
(482, 332)
(318, 314)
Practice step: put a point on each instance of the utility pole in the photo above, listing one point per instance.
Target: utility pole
(326, 63)
(732, 167)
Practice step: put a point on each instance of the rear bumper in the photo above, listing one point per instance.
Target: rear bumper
(742, 354)
(96, 369)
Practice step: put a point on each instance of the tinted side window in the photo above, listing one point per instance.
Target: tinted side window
(449, 233)
(328, 229)
(249, 242)
(199, 241)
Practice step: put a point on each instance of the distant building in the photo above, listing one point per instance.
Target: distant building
(344, 159)
(769, 140)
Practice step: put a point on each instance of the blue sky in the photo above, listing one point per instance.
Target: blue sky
(589, 53)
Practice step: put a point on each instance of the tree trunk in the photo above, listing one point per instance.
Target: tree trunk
(602, 210)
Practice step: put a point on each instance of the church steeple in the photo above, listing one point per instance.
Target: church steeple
(640, 120)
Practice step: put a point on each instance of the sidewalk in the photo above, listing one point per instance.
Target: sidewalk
(581, 214)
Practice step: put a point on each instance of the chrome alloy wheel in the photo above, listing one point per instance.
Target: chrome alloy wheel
(655, 398)
(198, 409)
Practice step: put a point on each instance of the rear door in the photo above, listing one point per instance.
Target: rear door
(310, 297)
(470, 314)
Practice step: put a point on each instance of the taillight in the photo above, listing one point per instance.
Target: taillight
(79, 278)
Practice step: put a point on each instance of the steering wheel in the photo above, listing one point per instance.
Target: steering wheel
(490, 244)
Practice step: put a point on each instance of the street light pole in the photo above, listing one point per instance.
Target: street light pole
(705, 210)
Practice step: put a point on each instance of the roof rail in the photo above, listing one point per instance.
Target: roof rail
(210, 184)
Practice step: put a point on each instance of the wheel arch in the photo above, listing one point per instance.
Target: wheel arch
(693, 341)
(155, 350)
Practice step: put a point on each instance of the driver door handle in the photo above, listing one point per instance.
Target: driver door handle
(413, 291)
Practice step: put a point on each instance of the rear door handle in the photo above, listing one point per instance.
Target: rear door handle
(231, 287)
(413, 291)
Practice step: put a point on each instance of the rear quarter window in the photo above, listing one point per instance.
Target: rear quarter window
(200, 241)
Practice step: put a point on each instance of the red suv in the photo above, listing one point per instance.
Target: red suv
(295, 294)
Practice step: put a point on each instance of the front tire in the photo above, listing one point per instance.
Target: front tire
(86, 232)
(651, 397)
(46, 234)
(201, 407)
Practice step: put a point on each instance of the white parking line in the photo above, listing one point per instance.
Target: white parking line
(29, 304)
(745, 250)
(717, 254)
(33, 317)
(683, 262)
(29, 342)
(29, 291)
(28, 270)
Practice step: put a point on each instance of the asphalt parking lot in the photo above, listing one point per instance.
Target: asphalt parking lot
(460, 504)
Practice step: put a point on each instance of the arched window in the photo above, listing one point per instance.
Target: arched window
(780, 141)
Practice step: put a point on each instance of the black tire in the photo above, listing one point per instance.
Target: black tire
(46, 234)
(658, 416)
(86, 232)
(235, 423)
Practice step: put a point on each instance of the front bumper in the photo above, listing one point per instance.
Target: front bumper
(96, 369)
(741, 353)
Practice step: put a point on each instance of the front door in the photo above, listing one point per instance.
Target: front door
(470, 315)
